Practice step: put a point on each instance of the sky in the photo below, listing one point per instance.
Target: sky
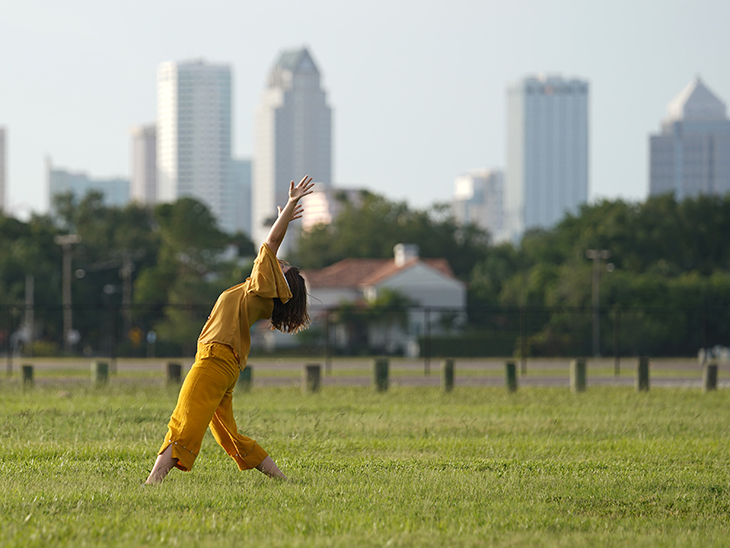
(417, 87)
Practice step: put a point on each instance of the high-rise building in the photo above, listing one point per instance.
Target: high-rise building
(479, 199)
(194, 136)
(115, 190)
(325, 204)
(691, 155)
(241, 192)
(547, 152)
(143, 170)
(3, 169)
(293, 136)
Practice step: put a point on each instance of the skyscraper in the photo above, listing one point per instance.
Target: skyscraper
(143, 183)
(479, 199)
(293, 135)
(194, 136)
(115, 190)
(691, 155)
(3, 169)
(241, 191)
(547, 152)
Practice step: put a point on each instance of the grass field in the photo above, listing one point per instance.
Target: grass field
(410, 467)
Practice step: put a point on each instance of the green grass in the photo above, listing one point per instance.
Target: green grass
(409, 467)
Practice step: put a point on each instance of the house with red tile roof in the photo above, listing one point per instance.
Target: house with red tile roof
(429, 284)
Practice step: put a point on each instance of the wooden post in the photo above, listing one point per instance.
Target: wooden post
(642, 374)
(447, 375)
(380, 374)
(245, 379)
(578, 375)
(311, 377)
(709, 376)
(99, 372)
(174, 372)
(511, 372)
(27, 376)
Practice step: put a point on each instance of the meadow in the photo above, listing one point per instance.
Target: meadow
(409, 467)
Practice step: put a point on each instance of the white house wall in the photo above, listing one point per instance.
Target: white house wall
(427, 286)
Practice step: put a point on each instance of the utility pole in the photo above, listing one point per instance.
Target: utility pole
(66, 242)
(597, 255)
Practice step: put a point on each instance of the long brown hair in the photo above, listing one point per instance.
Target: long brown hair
(292, 316)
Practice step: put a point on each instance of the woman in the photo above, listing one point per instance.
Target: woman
(274, 291)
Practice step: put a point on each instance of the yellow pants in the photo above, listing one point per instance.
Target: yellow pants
(206, 399)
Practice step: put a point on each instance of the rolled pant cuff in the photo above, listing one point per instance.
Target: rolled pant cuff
(251, 459)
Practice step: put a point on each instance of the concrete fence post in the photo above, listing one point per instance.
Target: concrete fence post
(380, 374)
(245, 379)
(312, 374)
(174, 372)
(100, 372)
(578, 375)
(709, 376)
(642, 374)
(447, 375)
(510, 370)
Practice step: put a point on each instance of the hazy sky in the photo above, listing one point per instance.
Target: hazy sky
(418, 87)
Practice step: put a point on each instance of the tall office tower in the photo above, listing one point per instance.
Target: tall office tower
(143, 182)
(691, 155)
(478, 199)
(115, 190)
(241, 192)
(547, 152)
(194, 136)
(293, 136)
(3, 169)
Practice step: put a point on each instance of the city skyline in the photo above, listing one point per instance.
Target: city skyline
(415, 108)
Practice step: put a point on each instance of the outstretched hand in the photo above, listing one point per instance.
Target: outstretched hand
(297, 214)
(304, 188)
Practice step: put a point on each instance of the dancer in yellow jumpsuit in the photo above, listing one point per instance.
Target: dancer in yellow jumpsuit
(274, 291)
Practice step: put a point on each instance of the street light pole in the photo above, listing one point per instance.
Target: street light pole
(66, 241)
(597, 255)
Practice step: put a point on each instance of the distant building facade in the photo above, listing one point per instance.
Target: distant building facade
(194, 136)
(325, 204)
(241, 193)
(691, 155)
(479, 199)
(143, 180)
(61, 181)
(3, 168)
(293, 136)
(547, 151)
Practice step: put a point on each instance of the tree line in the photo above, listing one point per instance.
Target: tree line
(171, 261)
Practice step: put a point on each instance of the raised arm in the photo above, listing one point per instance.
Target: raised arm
(292, 210)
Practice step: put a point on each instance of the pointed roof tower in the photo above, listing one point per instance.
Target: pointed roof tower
(696, 102)
(291, 62)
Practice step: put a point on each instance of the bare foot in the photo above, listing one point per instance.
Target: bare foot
(163, 465)
(268, 467)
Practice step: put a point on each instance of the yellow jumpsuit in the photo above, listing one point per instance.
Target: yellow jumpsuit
(206, 395)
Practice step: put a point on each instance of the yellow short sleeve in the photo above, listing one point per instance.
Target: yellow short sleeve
(267, 279)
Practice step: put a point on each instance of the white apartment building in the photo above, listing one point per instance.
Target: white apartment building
(194, 136)
(479, 199)
(143, 181)
(325, 204)
(691, 155)
(547, 152)
(293, 136)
